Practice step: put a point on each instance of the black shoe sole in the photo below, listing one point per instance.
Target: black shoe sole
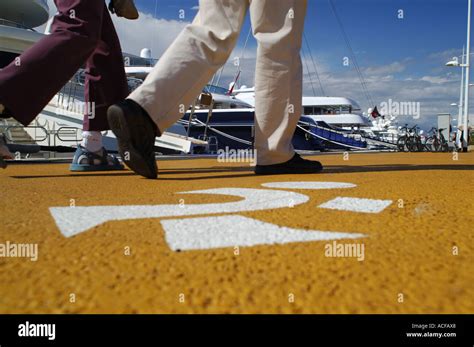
(140, 163)
(274, 170)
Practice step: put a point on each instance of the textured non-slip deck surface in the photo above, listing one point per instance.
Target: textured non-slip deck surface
(249, 248)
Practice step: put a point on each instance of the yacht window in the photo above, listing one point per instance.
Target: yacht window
(6, 58)
(308, 110)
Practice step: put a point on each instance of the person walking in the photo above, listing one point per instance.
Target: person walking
(195, 56)
(82, 34)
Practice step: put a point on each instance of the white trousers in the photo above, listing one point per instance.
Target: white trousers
(205, 45)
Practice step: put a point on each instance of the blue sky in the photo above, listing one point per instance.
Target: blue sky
(401, 59)
(377, 34)
(428, 26)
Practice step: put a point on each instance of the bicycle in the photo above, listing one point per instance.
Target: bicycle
(444, 146)
(402, 140)
(436, 142)
(432, 143)
(411, 140)
(415, 144)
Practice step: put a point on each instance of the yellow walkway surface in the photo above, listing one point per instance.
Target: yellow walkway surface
(118, 243)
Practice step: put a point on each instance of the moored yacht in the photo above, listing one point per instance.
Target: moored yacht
(59, 124)
(17, 20)
(339, 112)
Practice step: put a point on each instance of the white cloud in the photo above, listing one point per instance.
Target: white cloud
(52, 12)
(146, 31)
(445, 55)
(395, 67)
(435, 91)
(436, 79)
(149, 32)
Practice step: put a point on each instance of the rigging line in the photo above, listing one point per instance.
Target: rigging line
(309, 72)
(356, 65)
(346, 39)
(220, 74)
(214, 77)
(234, 138)
(153, 36)
(245, 44)
(314, 66)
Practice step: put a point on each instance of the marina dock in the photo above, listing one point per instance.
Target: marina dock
(373, 233)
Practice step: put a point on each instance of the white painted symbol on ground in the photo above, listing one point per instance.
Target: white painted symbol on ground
(222, 231)
(231, 231)
(72, 221)
(357, 205)
(309, 185)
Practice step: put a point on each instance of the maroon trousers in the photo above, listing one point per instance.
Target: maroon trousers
(83, 34)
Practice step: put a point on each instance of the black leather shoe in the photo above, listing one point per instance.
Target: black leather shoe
(295, 165)
(135, 132)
